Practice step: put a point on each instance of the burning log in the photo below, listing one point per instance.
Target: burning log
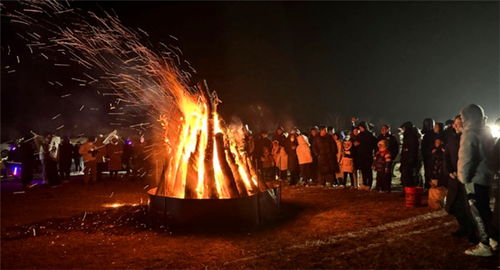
(209, 149)
(234, 168)
(192, 171)
(226, 169)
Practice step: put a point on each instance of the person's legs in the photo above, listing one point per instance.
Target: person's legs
(86, 172)
(379, 181)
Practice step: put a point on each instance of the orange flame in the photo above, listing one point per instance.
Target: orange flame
(206, 161)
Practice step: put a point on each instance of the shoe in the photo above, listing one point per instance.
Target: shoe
(480, 250)
(493, 244)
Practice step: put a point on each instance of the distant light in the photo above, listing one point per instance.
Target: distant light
(15, 171)
(495, 130)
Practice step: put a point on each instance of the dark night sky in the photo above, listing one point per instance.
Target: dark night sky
(308, 63)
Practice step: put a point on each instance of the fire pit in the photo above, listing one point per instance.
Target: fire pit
(253, 210)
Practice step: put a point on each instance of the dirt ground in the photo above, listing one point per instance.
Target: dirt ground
(74, 226)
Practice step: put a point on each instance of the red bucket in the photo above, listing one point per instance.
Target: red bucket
(413, 196)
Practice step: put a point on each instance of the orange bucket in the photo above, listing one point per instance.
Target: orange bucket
(413, 196)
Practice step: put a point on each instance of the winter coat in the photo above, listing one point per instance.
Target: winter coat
(280, 157)
(438, 169)
(304, 150)
(393, 144)
(382, 161)
(347, 163)
(340, 153)
(409, 151)
(86, 150)
(364, 151)
(326, 150)
(65, 153)
(290, 148)
(476, 145)
(451, 153)
(259, 145)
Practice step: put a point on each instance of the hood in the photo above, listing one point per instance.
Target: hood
(473, 117)
(302, 140)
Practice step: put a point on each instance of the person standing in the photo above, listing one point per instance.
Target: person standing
(382, 164)
(426, 148)
(326, 151)
(305, 158)
(48, 151)
(77, 158)
(474, 157)
(354, 138)
(64, 158)
(409, 155)
(385, 134)
(100, 157)
(293, 161)
(455, 198)
(88, 153)
(114, 151)
(438, 170)
(27, 153)
(280, 160)
(347, 164)
(338, 139)
(365, 151)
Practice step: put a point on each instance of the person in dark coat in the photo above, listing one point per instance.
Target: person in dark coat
(313, 134)
(364, 152)
(279, 136)
(438, 171)
(326, 151)
(448, 130)
(77, 158)
(409, 155)
(455, 197)
(260, 142)
(494, 226)
(385, 134)
(354, 138)
(64, 158)
(426, 148)
(27, 152)
(382, 164)
(293, 161)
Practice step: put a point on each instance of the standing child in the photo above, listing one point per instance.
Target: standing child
(267, 163)
(382, 165)
(347, 164)
(280, 160)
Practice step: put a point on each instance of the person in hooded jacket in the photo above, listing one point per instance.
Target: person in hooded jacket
(474, 157)
(326, 151)
(305, 158)
(455, 197)
(364, 153)
(426, 148)
(409, 155)
(338, 138)
(293, 161)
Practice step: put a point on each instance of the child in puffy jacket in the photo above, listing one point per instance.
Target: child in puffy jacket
(347, 163)
(382, 165)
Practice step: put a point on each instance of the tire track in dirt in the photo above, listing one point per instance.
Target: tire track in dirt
(399, 228)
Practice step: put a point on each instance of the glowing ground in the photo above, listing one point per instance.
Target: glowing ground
(104, 225)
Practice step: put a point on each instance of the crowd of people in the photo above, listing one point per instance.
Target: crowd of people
(58, 158)
(460, 155)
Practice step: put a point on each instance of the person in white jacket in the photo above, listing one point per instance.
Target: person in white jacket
(280, 159)
(305, 159)
(476, 145)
